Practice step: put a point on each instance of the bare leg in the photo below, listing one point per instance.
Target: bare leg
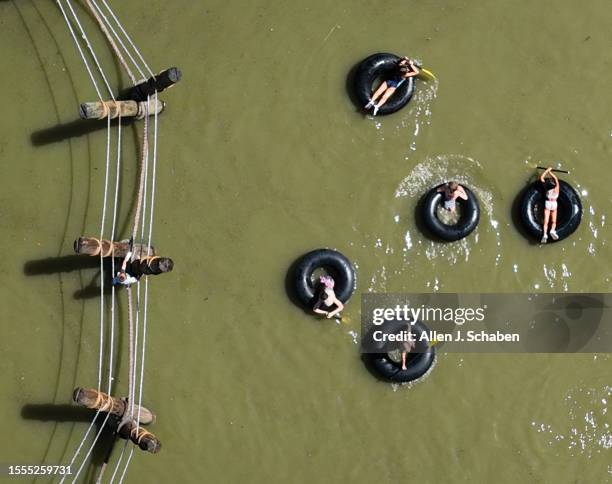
(403, 360)
(545, 226)
(382, 88)
(546, 217)
(553, 225)
(388, 93)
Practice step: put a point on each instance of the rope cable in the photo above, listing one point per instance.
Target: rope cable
(118, 37)
(112, 325)
(90, 48)
(112, 479)
(153, 176)
(91, 76)
(128, 37)
(76, 476)
(96, 13)
(144, 156)
(145, 169)
(104, 202)
(114, 226)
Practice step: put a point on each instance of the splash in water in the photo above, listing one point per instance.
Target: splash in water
(589, 427)
(417, 116)
(434, 171)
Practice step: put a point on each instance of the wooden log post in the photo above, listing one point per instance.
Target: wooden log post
(127, 109)
(160, 82)
(140, 436)
(151, 266)
(93, 247)
(90, 398)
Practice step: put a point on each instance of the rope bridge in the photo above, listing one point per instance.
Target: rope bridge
(142, 104)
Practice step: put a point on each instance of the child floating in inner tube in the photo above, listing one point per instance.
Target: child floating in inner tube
(406, 69)
(327, 298)
(452, 191)
(550, 205)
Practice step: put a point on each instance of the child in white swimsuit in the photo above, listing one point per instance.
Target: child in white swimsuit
(550, 205)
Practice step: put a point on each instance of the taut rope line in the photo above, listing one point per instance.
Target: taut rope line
(108, 140)
(90, 48)
(91, 76)
(95, 12)
(129, 39)
(144, 159)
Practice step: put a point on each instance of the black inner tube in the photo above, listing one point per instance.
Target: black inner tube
(469, 216)
(381, 67)
(418, 361)
(569, 210)
(332, 262)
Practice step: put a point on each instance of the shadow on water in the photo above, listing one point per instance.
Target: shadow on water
(46, 412)
(71, 263)
(92, 291)
(70, 413)
(53, 265)
(74, 129)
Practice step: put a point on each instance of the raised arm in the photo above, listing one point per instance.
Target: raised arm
(554, 177)
(125, 261)
(543, 175)
(415, 70)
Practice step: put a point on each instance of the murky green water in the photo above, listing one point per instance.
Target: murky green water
(263, 157)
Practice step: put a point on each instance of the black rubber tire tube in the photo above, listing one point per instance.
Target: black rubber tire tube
(569, 210)
(470, 215)
(418, 362)
(381, 66)
(335, 264)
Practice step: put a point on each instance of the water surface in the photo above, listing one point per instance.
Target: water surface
(262, 158)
